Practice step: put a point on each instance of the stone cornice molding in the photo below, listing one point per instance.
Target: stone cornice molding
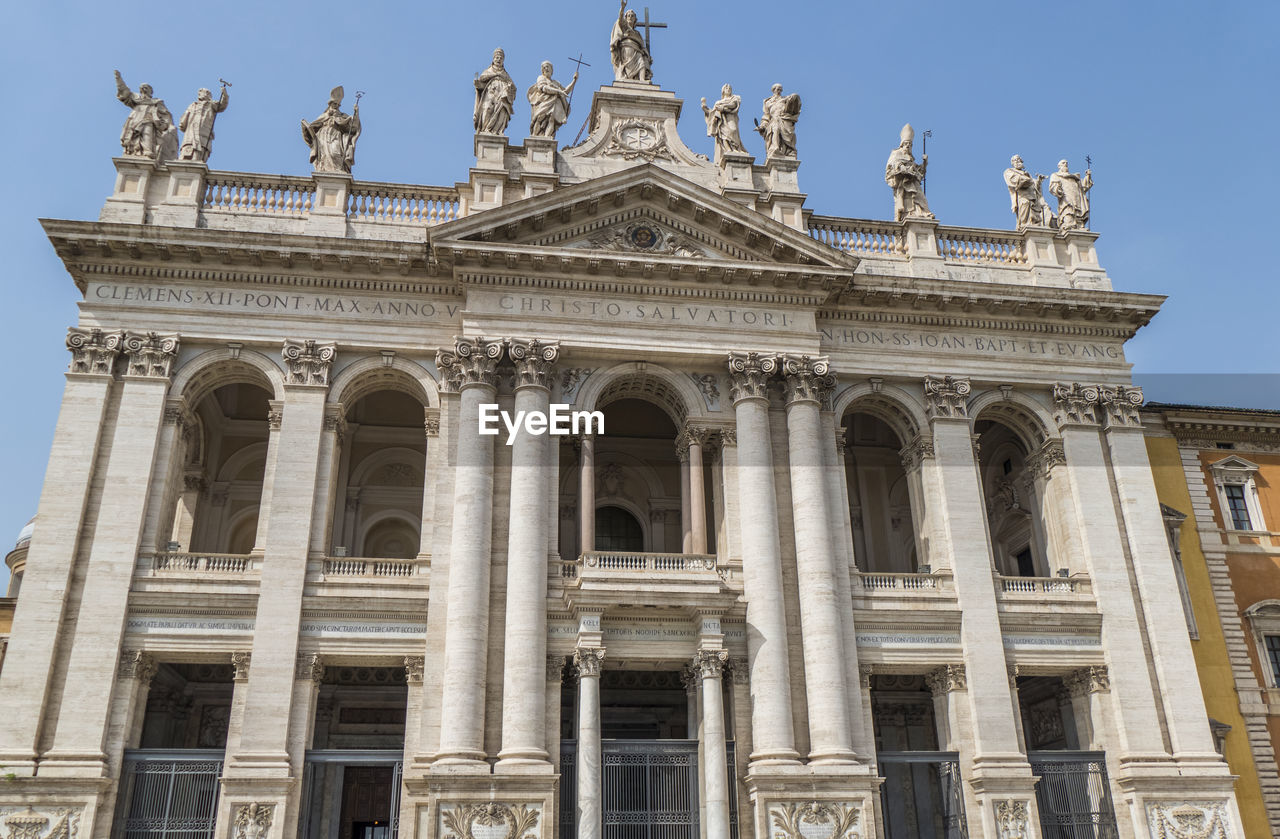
(710, 664)
(150, 355)
(749, 374)
(946, 397)
(807, 379)
(1122, 406)
(947, 678)
(1075, 404)
(308, 362)
(471, 362)
(533, 360)
(177, 412)
(588, 660)
(93, 351)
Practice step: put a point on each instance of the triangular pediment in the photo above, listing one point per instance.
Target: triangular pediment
(1234, 463)
(644, 212)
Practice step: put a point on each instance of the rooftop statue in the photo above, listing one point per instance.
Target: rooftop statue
(332, 136)
(495, 97)
(904, 176)
(722, 122)
(149, 130)
(197, 124)
(1025, 199)
(778, 125)
(549, 101)
(627, 49)
(1072, 192)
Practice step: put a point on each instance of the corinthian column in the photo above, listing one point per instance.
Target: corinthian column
(586, 493)
(524, 668)
(590, 809)
(696, 438)
(709, 665)
(773, 736)
(808, 381)
(471, 366)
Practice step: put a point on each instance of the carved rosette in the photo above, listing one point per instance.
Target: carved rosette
(240, 663)
(135, 664)
(808, 379)
(946, 397)
(533, 360)
(253, 821)
(947, 678)
(1121, 405)
(1088, 680)
(45, 823)
(414, 665)
(749, 374)
(489, 820)
(1011, 818)
(150, 355)
(1042, 461)
(915, 453)
(308, 362)
(92, 350)
(588, 660)
(309, 666)
(815, 820)
(1075, 404)
(710, 664)
(1188, 820)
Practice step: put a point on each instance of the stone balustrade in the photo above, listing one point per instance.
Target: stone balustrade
(858, 236)
(400, 204)
(648, 562)
(236, 192)
(199, 564)
(374, 567)
(966, 244)
(864, 584)
(1044, 585)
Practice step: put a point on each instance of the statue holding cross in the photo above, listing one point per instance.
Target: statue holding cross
(628, 51)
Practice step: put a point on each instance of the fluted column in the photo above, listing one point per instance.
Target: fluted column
(524, 665)
(709, 665)
(471, 365)
(771, 723)
(586, 494)
(590, 791)
(696, 438)
(808, 381)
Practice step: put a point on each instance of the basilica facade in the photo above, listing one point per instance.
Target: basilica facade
(868, 546)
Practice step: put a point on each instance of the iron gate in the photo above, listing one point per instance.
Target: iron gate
(1073, 795)
(650, 789)
(922, 796)
(313, 793)
(169, 794)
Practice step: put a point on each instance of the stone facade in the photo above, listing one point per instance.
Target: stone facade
(272, 531)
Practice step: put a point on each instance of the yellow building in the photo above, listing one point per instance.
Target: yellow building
(1217, 473)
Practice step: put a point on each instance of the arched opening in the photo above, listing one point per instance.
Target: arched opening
(881, 494)
(1012, 501)
(618, 530)
(381, 475)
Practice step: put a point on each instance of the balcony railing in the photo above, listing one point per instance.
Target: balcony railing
(169, 794)
(357, 566)
(870, 582)
(653, 562)
(858, 236)
(1044, 585)
(966, 244)
(172, 563)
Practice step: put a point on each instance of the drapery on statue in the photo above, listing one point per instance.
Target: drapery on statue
(778, 125)
(332, 136)
(549, 102)
(631, 59)
(197, 124)
(722, 122)
(1025, 199)
(149, 130)
(495, 97)
(1072, 192)
(904, 176)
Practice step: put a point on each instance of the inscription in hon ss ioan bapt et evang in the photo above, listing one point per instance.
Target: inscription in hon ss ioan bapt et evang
(840, 337)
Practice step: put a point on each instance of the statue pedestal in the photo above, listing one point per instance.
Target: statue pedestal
(128, 202)
(329, 208)
(489, 176)
(539, 163)
(183, 195)
(920, 238)
(1039, 247)
(737, 179)
(784, 196)
(491, 151)
(1082, 259)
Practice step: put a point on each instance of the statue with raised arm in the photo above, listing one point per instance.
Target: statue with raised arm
(197, 124)
(627, 50)
(332, 136)
(722, 122)
(1025, 198)
(1072, 192)
(549, 101)
(148, 131)
(495, 97)
(778, 124)
(905, 177)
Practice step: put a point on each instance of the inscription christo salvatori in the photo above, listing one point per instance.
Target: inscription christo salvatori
(240, 302)
(993, 345)
(627, 310)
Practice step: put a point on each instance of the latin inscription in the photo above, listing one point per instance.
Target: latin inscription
(240, 302)
(684, 314)
(989, 345)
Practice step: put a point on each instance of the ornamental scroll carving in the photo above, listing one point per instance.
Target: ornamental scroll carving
(151, 355)
(808, 379)
(947, 678)
(253, 821)
(710, 664)
(92, 350)
(633, 139)
(240, 665)
(1086, 680)
(135, 664)
(946, 397)
(1189, 820)
(489, 820)
(1075, 404)
(533, 360)
(1011, 819)
(589, 660)
(28, 823)
(815, 820)
(1040, 464)
(309, 666)
(308, 362)
(749, 374)
(472, 361)
(1121, 405)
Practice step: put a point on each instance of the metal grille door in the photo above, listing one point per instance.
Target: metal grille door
(922, 797)
(650, 789)
(1073, 795)
(169, 795)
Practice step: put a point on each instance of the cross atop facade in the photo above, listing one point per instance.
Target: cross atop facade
(647, 25)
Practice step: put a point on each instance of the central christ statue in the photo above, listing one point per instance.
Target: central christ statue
(627, 50)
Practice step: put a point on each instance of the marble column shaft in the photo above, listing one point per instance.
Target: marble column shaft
(586, 494)
(697, 494)
(590, 821)
(686, 513)
(715, 773)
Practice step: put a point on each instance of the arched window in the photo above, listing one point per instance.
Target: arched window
(618, 530)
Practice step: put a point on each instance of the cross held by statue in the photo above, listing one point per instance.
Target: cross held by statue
(647, 24)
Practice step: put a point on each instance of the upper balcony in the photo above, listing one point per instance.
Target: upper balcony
(649, 579)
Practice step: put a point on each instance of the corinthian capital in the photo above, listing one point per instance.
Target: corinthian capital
(150, 355)
(946, 678)
(308, 362)
(808, 379)
(92, 350)
(135, 664)
(749, 374)
(588, 660)
(710, 663)
(533, 360)
(1075, 404)
(1041, 462)
(1121, 405)
(472, 361)
(946, 397)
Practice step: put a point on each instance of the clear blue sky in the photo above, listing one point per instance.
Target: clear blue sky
(1175, 101)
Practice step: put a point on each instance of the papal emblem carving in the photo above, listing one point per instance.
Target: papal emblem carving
(814, 820)
(490, 820)
(59, 823)
(1188, 820)
(638, 138)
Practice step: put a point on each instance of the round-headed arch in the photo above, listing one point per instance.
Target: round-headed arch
(893, 405)
(369, 375)
(213, 369)
(1028, 419)
(674, 392)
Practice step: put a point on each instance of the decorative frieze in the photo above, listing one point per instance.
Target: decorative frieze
(946, 397)
(489, 818)
(1042, 461)
(308, 362)
(533, 360)
(749, 374)
(92, 350)
(240, 663)
(710, 664)
(136, 664)
(414, 667)
(814, 819)
(947, 678)
(1188, 820)
(588, 660)
(309, 666)
(1075, 404)
(1086, 680)
(253, 821)
(150, 355)
(1122, 406)
(808, 379)
(45, 823)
